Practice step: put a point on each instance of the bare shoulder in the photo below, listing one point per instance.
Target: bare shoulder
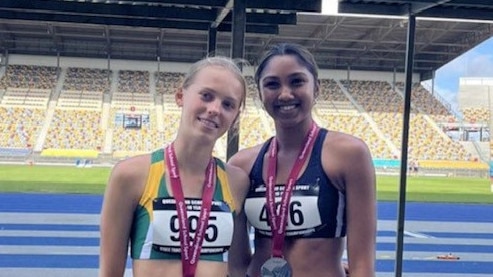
(131, 173)
(348, 146)
(124, 190)
(239, 183)
(238, 176)
(235, 171)
(132, 167)
(347, 160)
(245, 158)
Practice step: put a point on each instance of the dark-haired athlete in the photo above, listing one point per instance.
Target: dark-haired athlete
(312, 192)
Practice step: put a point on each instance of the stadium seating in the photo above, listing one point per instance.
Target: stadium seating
(30, 77)
(86, 79)
(86, 117)
(20, 126)
(75, 129)
(476, 114)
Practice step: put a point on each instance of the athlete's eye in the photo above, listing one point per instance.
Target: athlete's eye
(206, 96)
(229, 105)
(271, 84)
(297, 82)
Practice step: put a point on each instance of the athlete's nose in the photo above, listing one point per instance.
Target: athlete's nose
(285, 92)
(214, 107)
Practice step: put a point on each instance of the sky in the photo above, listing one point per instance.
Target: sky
(477, 62)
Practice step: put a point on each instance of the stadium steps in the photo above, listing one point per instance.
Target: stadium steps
(349, 97)
(105, 116)
(158, 103)
(108, 141)
(433, 124)
(479, 149)
(59, 85)
(369, 119)
(114, 83)
(50, 112)
(159, 114)
(2, 74)
(152, 85)
(381, 135)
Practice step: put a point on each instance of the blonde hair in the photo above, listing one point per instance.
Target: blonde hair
(221, 61)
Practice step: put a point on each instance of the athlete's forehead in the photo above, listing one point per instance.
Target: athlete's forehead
(219, 80)
(284, 66)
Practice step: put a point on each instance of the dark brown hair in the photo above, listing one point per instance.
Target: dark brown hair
(302, 54)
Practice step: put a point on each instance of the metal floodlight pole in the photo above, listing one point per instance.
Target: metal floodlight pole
(237, 52)
(411, 30)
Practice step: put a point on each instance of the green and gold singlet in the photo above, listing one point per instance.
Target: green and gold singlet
(155, 228)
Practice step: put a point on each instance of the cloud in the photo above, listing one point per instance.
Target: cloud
(477, 62)
(480, 65)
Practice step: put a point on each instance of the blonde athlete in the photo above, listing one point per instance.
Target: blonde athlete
(175, 207)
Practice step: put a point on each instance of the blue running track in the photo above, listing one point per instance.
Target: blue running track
(58, 235)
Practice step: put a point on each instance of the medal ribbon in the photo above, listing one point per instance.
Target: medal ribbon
(278, 222)
(190, 251)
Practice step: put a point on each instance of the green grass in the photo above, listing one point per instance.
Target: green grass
(70, 179)
(436, 189)
(53, 179)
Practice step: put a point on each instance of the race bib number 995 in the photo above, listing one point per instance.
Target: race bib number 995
(166, 229)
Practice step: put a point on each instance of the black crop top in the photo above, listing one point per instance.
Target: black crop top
(316, 209)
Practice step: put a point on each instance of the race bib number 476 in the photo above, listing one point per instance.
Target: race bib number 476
(303, 211)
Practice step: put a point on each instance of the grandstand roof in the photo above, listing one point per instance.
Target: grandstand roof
(450, 9)
(177, 30)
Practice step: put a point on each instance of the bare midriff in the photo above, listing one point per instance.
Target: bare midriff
(307, 257)
(173, 268)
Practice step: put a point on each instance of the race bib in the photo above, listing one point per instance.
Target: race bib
(303, 214)
(218, 234)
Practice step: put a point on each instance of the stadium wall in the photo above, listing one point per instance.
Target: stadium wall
(475, 92)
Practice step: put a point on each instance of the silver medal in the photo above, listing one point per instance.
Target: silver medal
(275, 267)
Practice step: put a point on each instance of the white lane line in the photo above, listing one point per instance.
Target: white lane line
(417, 235)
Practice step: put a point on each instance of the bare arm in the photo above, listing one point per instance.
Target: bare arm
(359, 175)
(350, 165)
(239, 253)
(120, 199)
